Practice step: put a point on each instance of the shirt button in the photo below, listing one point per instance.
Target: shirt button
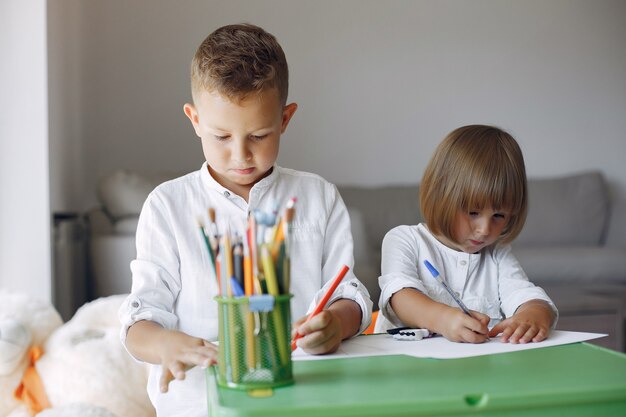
(226, 194)
(354, 284)
(463, 263)
(457, 294)
(135, 304)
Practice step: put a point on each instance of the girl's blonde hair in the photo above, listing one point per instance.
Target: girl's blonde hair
(475, 167)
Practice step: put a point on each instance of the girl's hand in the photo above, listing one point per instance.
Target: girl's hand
(322, 334)
(530, 323)
(180, 352)
(457, 326)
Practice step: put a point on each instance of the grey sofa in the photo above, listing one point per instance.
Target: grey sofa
(573, 243)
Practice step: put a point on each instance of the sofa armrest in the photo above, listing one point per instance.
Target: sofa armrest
(366, 264)
(100, 223)
(616, 232)
(110, 262)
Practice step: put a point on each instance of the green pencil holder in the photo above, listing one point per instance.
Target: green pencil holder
(254, 342)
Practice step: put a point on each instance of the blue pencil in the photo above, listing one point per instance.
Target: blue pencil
(437, 276)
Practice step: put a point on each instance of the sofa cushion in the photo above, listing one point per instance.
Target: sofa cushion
(570, 210)
(373, 212)
(383, 208)
(123, 192)
(581, 264)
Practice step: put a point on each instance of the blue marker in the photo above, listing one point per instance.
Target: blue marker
(436, 275)
(236, 287)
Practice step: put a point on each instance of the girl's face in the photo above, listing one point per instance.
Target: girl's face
(476, 229)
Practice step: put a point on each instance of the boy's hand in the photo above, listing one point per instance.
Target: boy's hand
(457, 326)
(180, 352)
(322, 334)
(530, 323)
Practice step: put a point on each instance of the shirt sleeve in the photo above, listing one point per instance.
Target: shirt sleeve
(338, 251)
(155, 271)
(514, 287)
(399, 269)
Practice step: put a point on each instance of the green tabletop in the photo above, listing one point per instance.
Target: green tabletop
(568, 380)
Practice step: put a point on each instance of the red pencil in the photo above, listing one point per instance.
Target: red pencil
(320, 306)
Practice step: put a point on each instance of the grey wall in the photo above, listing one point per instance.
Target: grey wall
(378, 84)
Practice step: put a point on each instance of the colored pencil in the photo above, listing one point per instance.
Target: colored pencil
(320, 306)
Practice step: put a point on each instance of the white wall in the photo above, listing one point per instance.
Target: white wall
(65, 69)
(24, 178)
(378, 83)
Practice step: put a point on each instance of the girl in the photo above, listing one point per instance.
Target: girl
(473, 197)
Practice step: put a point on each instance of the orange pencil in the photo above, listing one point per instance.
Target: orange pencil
(248, 290)
(320, 306)
(247, 274)
(288, 220)
(252, 248)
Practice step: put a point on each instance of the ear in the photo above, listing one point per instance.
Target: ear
(192, 114)
(288, 112)
(15, 340)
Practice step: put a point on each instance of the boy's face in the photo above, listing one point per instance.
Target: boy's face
(240, 140)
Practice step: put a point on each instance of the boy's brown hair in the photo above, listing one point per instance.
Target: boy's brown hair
(237, 60)
(475, 167)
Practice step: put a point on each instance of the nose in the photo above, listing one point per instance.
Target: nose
(481, 226)
(240, 151)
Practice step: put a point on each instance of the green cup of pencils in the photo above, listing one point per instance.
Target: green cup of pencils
(254, 349)
(253, 274)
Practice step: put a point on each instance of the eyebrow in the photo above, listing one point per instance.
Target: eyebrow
(258, 132)
(217, 129)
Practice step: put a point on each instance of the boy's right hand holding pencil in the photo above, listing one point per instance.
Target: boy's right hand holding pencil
(323, 330)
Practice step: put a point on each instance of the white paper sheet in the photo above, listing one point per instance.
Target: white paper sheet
(438, 347)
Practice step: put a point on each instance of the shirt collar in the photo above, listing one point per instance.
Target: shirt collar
(264, 183)
(443, 248)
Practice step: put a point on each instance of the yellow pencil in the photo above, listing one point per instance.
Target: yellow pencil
(228, 266)
(273, 289)
(269, 271)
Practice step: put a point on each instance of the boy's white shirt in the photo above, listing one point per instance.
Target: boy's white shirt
(491, 281)
(173, 280)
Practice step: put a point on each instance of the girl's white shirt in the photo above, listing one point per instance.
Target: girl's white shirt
(491, 281)
(173, 282)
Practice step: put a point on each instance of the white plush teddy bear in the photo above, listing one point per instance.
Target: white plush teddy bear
(84, 370)
(24, 322)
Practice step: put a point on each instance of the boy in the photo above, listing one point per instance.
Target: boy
(239, 81)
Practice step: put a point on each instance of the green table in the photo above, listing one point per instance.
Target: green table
(569, 380)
